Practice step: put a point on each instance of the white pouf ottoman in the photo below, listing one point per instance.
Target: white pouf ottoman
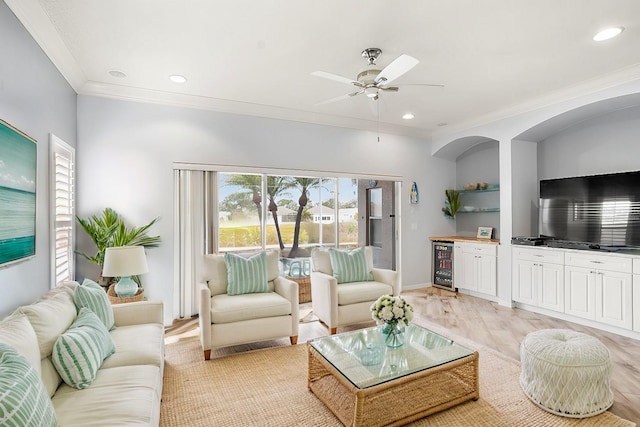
(566, 373)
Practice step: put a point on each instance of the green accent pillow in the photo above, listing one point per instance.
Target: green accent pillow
(23, 398)
(246, 275)
(79, 352)
(349, 265)
(92, 296)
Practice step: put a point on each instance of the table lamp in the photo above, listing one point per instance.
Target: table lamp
(124, 262)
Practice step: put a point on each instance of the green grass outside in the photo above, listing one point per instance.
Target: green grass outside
(249, 235)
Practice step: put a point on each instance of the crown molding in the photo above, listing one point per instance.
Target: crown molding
(38, 24)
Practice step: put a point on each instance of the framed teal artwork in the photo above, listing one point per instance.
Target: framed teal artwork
(18, 157)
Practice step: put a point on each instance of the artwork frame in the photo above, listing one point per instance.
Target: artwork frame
(484, 233)
(18, 177)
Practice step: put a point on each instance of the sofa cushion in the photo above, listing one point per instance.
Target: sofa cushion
(349, 265)
(122, 396)
(137, 345)
(246, 275)
(227, 308)
(92, 296)
(355, 292)
(17, 332)
(78, 353)
(23, 398)
(213, 271)
(50, 317)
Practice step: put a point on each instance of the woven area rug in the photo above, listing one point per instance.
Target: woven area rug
(268, 387)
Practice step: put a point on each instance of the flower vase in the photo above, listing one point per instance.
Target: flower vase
(393, 335)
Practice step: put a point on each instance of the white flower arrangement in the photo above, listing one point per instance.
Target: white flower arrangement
(390, 309)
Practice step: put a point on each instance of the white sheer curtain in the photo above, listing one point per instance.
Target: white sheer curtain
(194, 197)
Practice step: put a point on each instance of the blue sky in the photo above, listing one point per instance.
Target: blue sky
(17, 160)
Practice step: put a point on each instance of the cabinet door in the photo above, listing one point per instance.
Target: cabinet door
(613, 298)
(551, 286)
(458, 266)
(486, 277)
(579, 292)
(469, 272)
(524, 282)
(636, 302)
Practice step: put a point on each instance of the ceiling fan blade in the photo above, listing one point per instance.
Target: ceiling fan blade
(420, 84)
(398, 67)
(389, 89)
(335, 77)
(340, 98)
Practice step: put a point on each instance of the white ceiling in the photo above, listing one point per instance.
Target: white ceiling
(495, 57)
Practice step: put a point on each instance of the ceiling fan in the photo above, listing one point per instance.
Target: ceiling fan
(372, 79)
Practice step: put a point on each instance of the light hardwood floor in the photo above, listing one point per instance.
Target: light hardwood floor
(495, 326)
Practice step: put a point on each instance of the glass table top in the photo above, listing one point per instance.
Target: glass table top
(362, 357)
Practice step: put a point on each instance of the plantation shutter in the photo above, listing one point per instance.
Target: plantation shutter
(63, 208)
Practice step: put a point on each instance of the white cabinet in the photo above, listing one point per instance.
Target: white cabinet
(636, 294)
(599, 287)
(475, 267)
(538, 277)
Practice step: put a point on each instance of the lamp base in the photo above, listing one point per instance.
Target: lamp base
(126, 287)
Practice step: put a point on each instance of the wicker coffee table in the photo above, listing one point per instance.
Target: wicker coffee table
(366, 384)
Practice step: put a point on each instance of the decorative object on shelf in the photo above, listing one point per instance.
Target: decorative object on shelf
(484, 232)
(452, 204)
(124, 262)
(394, 313)
(413, 193)
(483, 185)
(109, 230)
(470, 186)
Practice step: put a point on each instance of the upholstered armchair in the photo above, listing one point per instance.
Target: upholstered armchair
(339, 304)
(232, 313)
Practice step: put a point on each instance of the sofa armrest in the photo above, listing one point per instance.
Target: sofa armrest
(324, 297)
(204, 315)
(289, 289)
(388, 277)
(138, 313)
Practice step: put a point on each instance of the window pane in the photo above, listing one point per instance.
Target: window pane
(306, 232)
(239, 212)
(347, 212)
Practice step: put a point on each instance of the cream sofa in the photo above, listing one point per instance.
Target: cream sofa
(227, 320)
(343, 304)
(128, 386)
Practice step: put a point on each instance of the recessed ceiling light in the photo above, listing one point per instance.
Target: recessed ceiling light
(176, 78)
(408, 116)
(608, 33)
(117, 73)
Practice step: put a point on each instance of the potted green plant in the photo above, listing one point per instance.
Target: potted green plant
(109, 230)
(452, 203)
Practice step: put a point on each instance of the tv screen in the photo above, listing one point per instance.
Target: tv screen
(598, 209)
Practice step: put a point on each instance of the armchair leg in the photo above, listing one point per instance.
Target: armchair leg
(294, 340)
(207, 354)
(333, 331)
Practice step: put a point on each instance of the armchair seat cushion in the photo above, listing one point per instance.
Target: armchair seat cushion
(234, 308)
(356, 292)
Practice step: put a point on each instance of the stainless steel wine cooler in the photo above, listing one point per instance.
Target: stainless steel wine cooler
(443, 265)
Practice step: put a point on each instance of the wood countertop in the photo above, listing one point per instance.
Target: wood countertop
(464, 239)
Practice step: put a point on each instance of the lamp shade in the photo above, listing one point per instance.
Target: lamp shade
(124, 261)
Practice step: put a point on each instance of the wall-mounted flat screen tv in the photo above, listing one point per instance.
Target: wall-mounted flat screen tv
(597, 209)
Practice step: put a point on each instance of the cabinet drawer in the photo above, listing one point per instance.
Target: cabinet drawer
(599, 262)
(479, 249)
(636, 265)
(540, 255)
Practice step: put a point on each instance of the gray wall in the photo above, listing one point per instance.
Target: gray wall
(608, 144)
(36, 99)
(479, 163)
(126, 151)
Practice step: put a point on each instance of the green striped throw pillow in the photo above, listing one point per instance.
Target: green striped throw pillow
(23, 398)
(92, 296)
(80, 351)
(349, 265)
(246, 275)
